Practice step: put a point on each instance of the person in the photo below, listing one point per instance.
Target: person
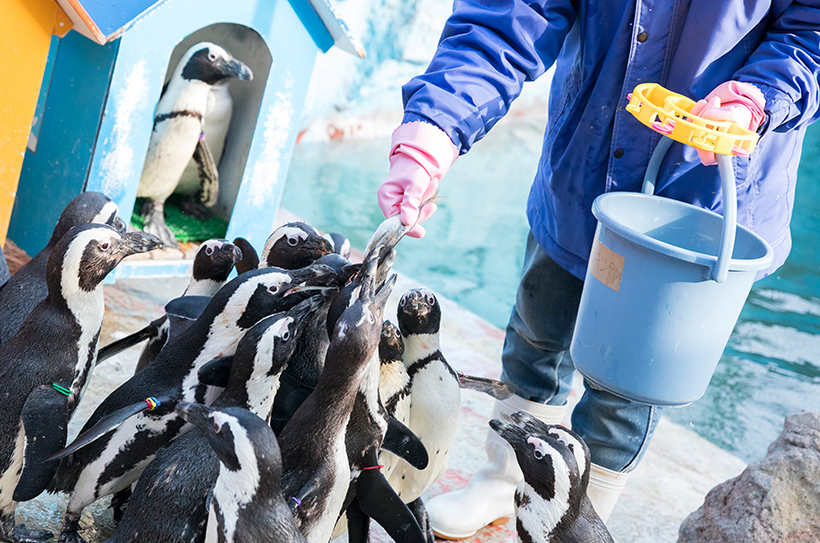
(756, 63)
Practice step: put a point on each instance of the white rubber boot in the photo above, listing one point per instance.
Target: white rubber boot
(605, 487)
(489, 496)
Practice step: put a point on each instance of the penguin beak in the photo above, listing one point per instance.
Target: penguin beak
(138, 242)
(230, 252)
(511, 433)
(196, 414)
(239, 70)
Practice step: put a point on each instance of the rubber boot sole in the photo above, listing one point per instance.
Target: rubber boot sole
(497, 522)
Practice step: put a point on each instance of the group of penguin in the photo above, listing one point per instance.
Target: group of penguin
(275, 406)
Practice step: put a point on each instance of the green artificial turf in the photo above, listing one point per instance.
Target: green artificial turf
(184, 227)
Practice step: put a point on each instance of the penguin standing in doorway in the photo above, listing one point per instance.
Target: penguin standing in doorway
(178, 132)
(28, 287)
(44, 367)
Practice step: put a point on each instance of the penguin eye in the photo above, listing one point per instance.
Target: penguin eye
(286, 335)
(538, 454)
(292, 242)
(403, 301)
(430, 299)
(212, 56)
(209, 250)
(217, 428)
(273, 288)
(104, 246)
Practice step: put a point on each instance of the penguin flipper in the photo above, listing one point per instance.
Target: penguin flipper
(249, 260)
(45, 420)
(377, 499)
(106, 424)
(401, 441)
(217, 372)
(491, 387)
(186, 308)
(291, 394)
(208, 174)
(116, 347)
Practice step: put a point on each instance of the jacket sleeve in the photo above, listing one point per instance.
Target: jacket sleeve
(488, 49)
(786, 67)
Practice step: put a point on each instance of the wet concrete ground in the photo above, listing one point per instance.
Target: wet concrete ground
(678, 470)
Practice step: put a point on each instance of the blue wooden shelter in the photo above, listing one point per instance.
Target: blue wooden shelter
(105, 79)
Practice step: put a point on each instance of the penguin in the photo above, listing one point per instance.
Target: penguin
(435, 398)
(44, 367)
(178, 132)
(215, 124)
(247, 504)
(294, 245)
(121, 437)
(551, 503)
(28, 287)
(213, 261)
(339, 244)
(5, 274)
(394, 384)
(315, 464)
(260, 356)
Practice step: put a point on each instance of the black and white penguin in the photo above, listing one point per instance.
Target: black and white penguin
(339, 243)
(260, 356)
(212, 265)
(112, 462)
(435, 397)
(215, 124)
(551, 503)
(178, 131)
(394, 382)
(44, 367)
(247, 504)
(28, 287)
(213, 262)
(294, 245)
(315, 462)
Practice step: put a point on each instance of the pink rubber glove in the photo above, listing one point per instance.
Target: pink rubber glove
(742, 103)
(420, 155)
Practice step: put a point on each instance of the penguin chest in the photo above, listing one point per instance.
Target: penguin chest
(537, 516)
(10, 475)
(435, 404)
(172, 146)
(320, 528)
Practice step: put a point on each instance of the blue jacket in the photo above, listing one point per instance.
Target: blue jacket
(601, 51)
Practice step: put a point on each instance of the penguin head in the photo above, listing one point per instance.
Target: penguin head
(245, 445)
(87, 253)
(210, 64)
(214, 260)
(391, 346)
(256, 294)
(87, 207)
(294, 245)
(419, 313)
(548, 456)
(357, 330)
(339, 243)
(262, 354)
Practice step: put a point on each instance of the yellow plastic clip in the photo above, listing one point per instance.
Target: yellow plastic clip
(668, 113)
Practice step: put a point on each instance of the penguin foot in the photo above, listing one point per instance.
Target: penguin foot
(119, 503)
(20, 534)
(154, 213)
(420, 512)
(71, 529)
(189, 205)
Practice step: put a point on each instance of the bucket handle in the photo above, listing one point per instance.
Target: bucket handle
(727, 185)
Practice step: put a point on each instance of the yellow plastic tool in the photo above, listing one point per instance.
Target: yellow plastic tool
(667, 113)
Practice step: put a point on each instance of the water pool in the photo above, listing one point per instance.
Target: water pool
(474, 250)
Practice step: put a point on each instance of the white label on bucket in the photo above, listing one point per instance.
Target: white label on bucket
(606, 265)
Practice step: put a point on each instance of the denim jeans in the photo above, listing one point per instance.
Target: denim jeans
(537, 365)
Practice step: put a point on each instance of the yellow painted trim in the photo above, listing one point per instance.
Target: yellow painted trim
(25, 35)
(62, 23)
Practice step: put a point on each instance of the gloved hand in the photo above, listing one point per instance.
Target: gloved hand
(420, 155)
(735, 101)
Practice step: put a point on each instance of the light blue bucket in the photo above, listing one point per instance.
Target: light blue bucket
(664, 287)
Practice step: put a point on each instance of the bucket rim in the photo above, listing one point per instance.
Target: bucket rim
(686, 255)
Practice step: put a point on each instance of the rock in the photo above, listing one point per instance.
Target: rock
(776, 499)
(15, 256)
